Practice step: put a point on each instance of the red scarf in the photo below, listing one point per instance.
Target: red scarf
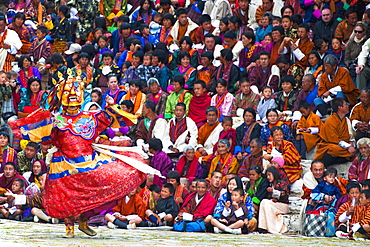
(230, 134)
(192, 169)
(198, 106)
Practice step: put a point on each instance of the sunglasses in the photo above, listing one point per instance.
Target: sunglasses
(356, 31)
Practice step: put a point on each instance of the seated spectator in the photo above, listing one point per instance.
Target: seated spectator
(256, 187)
(167, 24)
(307, 129)
(27, 156)
(217, 11)
(181, 193)
(273, 47)
(166, 208)
(198, 204)
(234, 44)
(101, 73)
(246, 132)
(264, 74)
(325, 28)
(159, 160)
(345, 28)
(264, 28)
(234, 215)
(9, 176)
(150, 127)
(360, 168)
(224, 161)
(164, 74)
(9, 210)
(287, 68)
(325, 193)
(147, 69)
(286, 149)
(348, 211)
(199, 103)
(289, 30)
(211, 46)
(157, 95)
(144, 12)
(8, 154)
(299, 47)
(185, 46)
(136, 96)
(254, 158)
(360, 115)
(26, 71)
(209, 133)
(188, 165)
(286, 98)
(223, 100)
(215, 184)
(275, 205)
(132, 44)
(129, 211)
(337, 51)
(204, 28)
(133, 72)
(245, 99)
(183, 27)
(38, 166)
(185, 69)
(268, 6)
(272, 117)
(180, 132)
(228, 133)
(308, 93)
(246, 13)
(361, 231)
(227, 71)
(32, 98)
(250, 51)
(179, 95)
(335, 82)
(266, 103)
(114, 91)
(314, 66)
(207, 71)
(337, 145)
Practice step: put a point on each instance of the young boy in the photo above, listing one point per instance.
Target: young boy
(289, 30)
(129, 212)
(137, 60)
(234, 215)
(266, 102)
(276, 21)
(180, 95)
(361, 230)
(160, 59)
(366, 184)
(132, 45)
(326, 192)
(165, 7)
(155, 25)
(199, 103)
(166, 209)
(159, 160)
(10, 210)
(146, 70)
(308, 128)
(40, 49)
(204, 28)
(348, 212)
(227, 133)
(173, 177)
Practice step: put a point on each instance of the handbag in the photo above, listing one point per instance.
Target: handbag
(190, 226)
(319, 225)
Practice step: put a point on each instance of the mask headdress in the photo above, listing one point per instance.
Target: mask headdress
(68, 91)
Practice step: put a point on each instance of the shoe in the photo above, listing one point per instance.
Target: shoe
(70, 232)
(18, 217)
(151, 224)
(216, 230)
(341, 234)
(53, 221)
(110, 225)
(83, 227)
(36, 219)
(131, 226)
(237, 231)
(2, 216)
(359, 236)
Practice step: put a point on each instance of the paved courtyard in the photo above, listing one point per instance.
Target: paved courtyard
(36, 234)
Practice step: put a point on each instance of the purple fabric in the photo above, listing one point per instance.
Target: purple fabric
(4, 160)
(308, 2)
(124, 130)
(340, 201)
(317, 13)
(162, 163)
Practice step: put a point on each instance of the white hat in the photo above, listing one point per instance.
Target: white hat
(73, 48)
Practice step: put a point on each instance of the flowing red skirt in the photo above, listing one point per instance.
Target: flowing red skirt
(75, 194)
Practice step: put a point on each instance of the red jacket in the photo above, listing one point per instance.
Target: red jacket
(204, 208)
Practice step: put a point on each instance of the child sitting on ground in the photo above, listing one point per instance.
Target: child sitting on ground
(325, 192)
(348, 212)
(129, 212)
(361, 230)
(181, 193)
(166, 209)
(9, 209)
(234, 214)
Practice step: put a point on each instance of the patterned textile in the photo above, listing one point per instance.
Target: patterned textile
(314, 225)
(359, 170)
(244, 101)
(177, 129)
(58, 46)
